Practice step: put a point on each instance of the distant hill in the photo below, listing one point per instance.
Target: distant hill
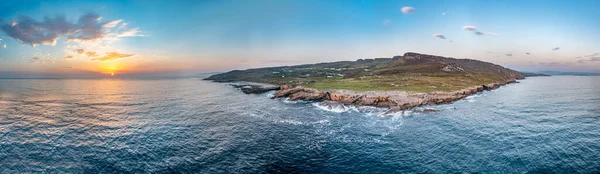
(410, 72)
(570, 73)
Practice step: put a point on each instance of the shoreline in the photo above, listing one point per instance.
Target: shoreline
(395, 101)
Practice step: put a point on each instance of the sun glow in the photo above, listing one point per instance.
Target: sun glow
(110, 68)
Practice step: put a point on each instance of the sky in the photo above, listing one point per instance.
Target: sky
(91, 38)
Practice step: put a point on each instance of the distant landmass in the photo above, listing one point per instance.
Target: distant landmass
(410, 72)
(570, 73)
(400, 82)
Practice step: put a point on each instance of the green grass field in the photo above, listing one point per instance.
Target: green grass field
(402, 83)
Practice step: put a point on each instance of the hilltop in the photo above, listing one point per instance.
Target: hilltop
(412, 72)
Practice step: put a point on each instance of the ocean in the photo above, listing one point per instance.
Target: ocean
(187, 125)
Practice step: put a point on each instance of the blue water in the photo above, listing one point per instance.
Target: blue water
(541, 125)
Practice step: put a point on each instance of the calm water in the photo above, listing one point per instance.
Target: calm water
(541, 125)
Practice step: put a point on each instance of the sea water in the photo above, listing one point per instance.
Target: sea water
(540, 125)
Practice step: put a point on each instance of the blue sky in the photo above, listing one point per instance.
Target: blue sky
(206, 36)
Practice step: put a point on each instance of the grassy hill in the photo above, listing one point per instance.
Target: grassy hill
(411, 72)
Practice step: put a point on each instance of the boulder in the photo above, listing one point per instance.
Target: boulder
(307, 96)
(379, 101)
(287, 92)
(345, 98)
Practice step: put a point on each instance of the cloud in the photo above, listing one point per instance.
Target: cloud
(34, 59)
(130, 33)
(29, 31)
(113, 56)
(588, 56)
(592, 58)
(91, 54)
(3, 45)
(50, 29)
(592, 55)
(527, 53)
(79, 51)
(554, 49)
(112, 24)
(509, 55)
(407, 10)
(88, 28)
(86, 52)
(470, 28)
(386, 21)
(68, 57)
(477, 32)
(491, 33)
(445, 13)
(441, 36)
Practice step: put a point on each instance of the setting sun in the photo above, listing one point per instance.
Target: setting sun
(110, 68)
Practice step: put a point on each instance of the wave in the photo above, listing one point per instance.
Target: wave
(396, 114)
(287, 100)
(332, 107)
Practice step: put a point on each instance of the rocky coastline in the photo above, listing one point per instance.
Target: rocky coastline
(396, 101)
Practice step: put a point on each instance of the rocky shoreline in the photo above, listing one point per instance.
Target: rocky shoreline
(396, 101)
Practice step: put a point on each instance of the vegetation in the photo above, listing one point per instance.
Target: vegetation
(412, 72)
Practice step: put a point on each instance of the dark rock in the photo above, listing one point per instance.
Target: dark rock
(254, 89)
(485, 87)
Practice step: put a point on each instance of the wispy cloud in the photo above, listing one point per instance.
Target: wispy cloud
(491, 33)
(554, 49)
(445, 13)
(593, 55)
(91, 54)
(470, 28)
(441, 36)
(509, 55)
(407, 10)
(130, 33)
(591, 58)
(477, 32)
(86, 52)
(113, 56)
(386, 22)
(68, 57)
(112, 24)
(34, 59)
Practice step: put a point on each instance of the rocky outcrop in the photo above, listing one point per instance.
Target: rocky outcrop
(255, 89)
(395, 100)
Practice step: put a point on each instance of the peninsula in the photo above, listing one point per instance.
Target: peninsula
(398, 83)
